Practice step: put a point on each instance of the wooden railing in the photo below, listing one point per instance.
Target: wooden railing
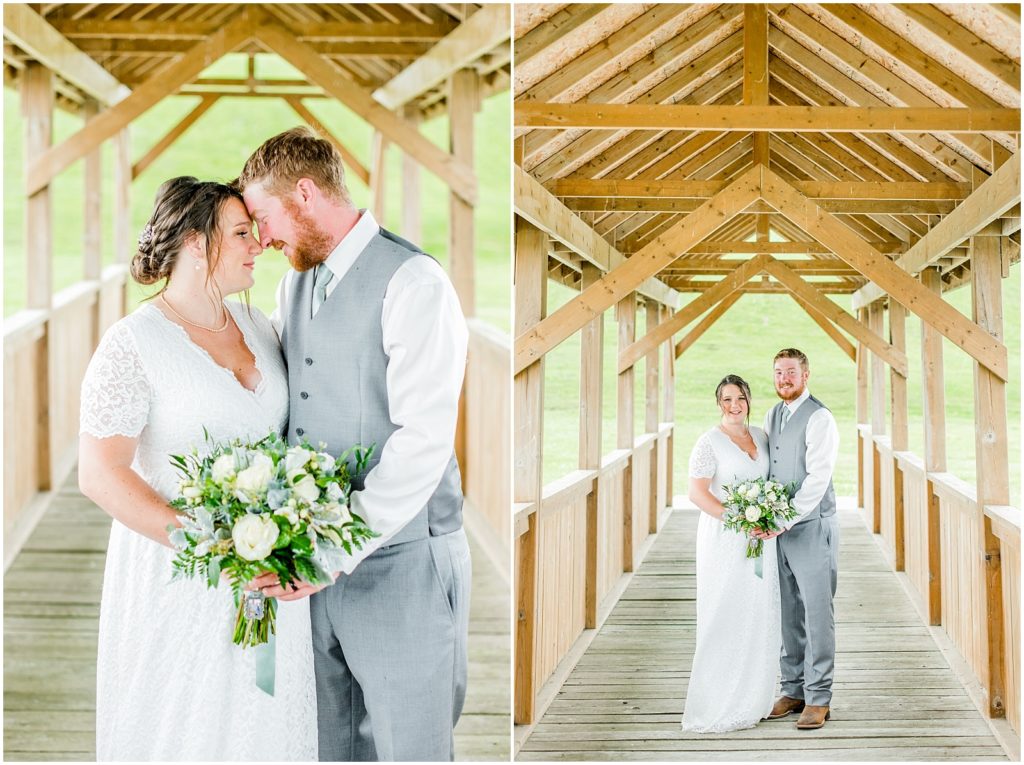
(46, 353)
(572, 550)
(484, 431)
(933, 529)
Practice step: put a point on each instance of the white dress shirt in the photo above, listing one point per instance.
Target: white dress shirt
(425, 338)
(822, 439)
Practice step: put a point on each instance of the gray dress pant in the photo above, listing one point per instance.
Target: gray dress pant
(389, 646)
(808, 574)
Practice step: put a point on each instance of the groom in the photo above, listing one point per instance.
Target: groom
(375, 343)
(803, 442)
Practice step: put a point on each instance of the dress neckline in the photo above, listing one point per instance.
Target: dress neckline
(757, 449)
(205, 353)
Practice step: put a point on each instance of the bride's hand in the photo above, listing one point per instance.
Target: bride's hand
(263, 580)
(271, 587)
(766, 535)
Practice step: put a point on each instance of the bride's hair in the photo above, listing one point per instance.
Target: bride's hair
(740, 383)
(183, 206)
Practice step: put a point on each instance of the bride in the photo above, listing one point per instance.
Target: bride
(170, 684)
(732, 681)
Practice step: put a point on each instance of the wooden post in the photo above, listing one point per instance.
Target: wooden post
(625, 314)
(669, 404)
(463, 97)
(591, 360)
(862, 407)
(411, 202)
(900, 427)
(991, 450)
(528, 390)
(92, 243)
(125, 238)
(37, 110)
(651, 418)
(378, 176)
(755, 69)
(933, 390)
(876, 324)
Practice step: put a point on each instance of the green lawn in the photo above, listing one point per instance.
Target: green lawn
(743, 342)
(217, 146)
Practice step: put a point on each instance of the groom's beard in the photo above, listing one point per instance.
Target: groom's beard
(790, 394)
(312, 244)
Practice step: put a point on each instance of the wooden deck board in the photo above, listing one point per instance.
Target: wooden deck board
(51, 613)
(895, 697)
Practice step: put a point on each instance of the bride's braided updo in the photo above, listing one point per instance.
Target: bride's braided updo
(183, 206)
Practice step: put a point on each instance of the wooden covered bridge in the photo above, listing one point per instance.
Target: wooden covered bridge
(862, 160)
(394, 66)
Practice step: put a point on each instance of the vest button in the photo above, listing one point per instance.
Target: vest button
(309, 361)
(304, 395)
(776, 448)
(299, 431)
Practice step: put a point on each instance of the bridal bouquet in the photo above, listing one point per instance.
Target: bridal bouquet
(265, 507)
(757, 505)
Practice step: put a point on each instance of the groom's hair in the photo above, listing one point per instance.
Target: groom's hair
(793, 353)
(294, 154)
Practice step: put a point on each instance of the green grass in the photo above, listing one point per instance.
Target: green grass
(217, 146)
(743, 342)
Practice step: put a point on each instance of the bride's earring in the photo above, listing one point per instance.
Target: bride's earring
(198, 266)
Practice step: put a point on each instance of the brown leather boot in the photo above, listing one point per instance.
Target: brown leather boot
(785, 706)
(813, 717)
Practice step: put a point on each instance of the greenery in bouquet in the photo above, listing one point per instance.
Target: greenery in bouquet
(253, 508)
(757, 505)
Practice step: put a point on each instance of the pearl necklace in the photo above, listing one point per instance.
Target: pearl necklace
(200, 326)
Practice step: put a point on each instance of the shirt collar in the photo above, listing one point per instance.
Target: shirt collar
(352, 244)
(794, 405)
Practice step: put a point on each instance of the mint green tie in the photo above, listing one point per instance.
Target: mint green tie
(785, 417)
(323, 278)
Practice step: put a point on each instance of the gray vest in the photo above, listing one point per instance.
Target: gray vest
(789, 452)
(337, 374)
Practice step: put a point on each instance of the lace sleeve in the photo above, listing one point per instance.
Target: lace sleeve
(115, 391)
(702, 458)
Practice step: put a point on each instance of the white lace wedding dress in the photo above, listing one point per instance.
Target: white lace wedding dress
(736, 661)
(170, 684)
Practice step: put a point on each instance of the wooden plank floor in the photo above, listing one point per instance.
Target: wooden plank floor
(51, 611)
(895, 697)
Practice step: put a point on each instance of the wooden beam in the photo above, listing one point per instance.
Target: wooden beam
(379, 176)
(706, 323)
(933, 388)
(900, 432)
(198, 30)
(484, 30)
(173, 135)
(897, 282)
(92, 194)
(837, 315)
(683, 205)
(463, 101)
(690, 265)
(44, 44)
(412, 203)
(362, 171)
(37, 99)
(125, 241)
(991, 449)
(113, 120)
(624, 278)
(755, 69)
(696, 189)
(534, 203)
(625, 314)
(528, 388)
(998, 194)
(668, 404)
(826, 325)
(814, 119)
(663, 332)
(460, 178)
(591, 382)
(876, 322)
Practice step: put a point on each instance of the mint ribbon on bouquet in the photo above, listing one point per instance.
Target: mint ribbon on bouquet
(266, 665)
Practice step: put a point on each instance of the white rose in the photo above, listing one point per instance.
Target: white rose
(326, 462)
(256, 477)
(344, 514)
(223, 468)
(753, 491)
(752, 513)
(296, 458)
(191, 492)
(289, 513)
(307, 489)
(254, 536)
(334, 491)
